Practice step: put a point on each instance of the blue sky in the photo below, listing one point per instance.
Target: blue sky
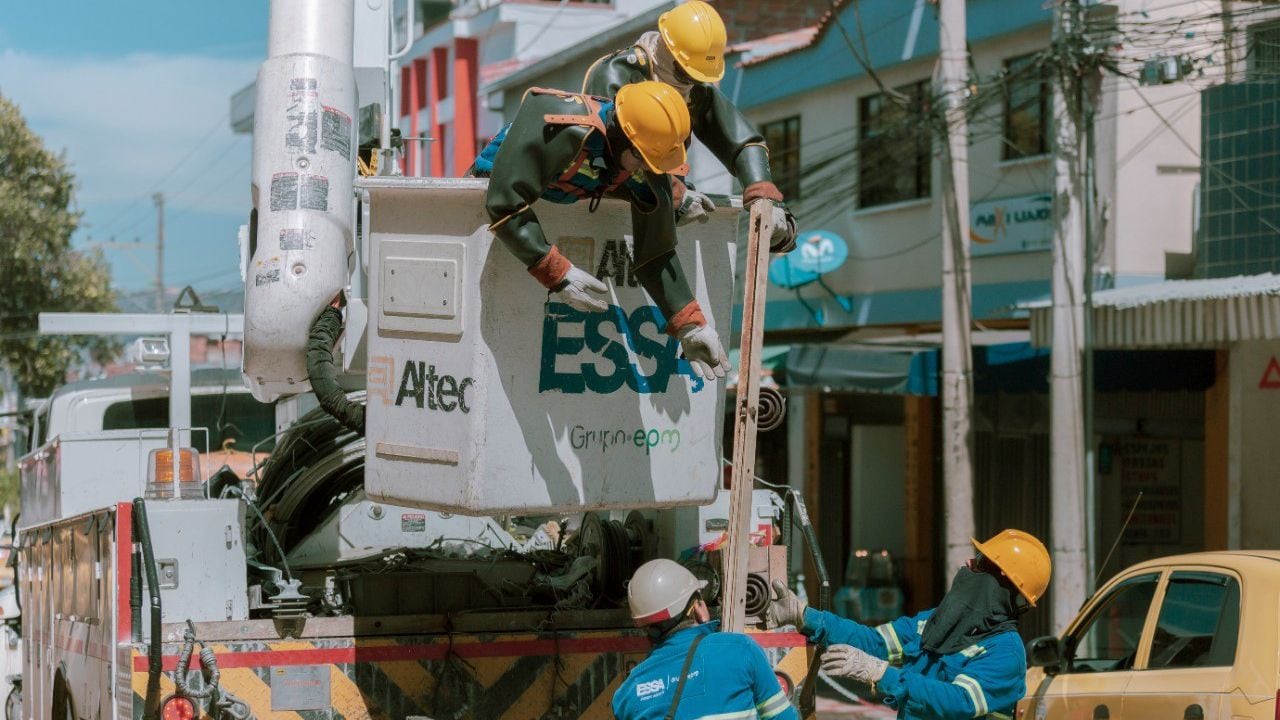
(136, 93)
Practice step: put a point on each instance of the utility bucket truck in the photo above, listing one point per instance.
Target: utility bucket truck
(448, 533)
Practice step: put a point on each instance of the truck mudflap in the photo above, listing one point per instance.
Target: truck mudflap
(526, 676)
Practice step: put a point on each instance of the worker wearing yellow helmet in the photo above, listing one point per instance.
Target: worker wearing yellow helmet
(565, 147)
(964, 658)
(687, 53)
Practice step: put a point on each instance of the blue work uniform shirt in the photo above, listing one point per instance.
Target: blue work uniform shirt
(730, 679)
(985, 680)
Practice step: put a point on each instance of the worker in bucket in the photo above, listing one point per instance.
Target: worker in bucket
(687, 53)
(964, 658)
(694, 671)
(565, 147)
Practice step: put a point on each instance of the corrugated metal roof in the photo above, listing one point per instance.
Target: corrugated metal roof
(761, 49)
(1176, 313)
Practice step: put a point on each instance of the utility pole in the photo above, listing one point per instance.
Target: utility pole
(1067, 442)
(159, 201)
(957, 315)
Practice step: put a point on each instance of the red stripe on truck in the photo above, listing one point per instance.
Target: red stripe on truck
(438, 651)
(124, 570)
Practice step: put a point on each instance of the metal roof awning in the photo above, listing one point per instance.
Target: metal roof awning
(846, 368)
(1176, 314)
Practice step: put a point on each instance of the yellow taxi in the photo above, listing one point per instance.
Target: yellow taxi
(1190, 637)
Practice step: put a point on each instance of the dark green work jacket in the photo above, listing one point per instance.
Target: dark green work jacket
(540, 145)
(715, 120)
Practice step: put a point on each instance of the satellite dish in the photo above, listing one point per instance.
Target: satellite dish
(817, 253)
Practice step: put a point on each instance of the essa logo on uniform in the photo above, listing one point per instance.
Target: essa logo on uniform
(647, 690)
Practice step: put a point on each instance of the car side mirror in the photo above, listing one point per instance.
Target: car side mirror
(1045, 652)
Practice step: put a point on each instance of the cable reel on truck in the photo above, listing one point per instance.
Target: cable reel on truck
(618, 549)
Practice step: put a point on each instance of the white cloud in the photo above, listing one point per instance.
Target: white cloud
(126, 121)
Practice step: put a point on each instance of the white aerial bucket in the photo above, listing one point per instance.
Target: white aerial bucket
(486, 399)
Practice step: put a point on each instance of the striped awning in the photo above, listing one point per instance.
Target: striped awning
(1176, 314)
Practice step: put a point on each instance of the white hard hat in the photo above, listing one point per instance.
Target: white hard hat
(660, 590)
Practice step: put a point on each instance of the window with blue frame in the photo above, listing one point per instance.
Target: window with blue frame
(895, 146)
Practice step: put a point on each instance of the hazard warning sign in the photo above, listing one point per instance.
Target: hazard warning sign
(1271, 378)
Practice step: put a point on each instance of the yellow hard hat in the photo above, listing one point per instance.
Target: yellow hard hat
(695, 34)
(655, 119)
(1022, 558)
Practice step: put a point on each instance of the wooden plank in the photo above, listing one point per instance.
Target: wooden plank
(755, 283)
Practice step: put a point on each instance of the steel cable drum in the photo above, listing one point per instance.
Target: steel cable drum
(772, 411)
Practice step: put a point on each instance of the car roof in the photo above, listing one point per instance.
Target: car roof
(1226, 558)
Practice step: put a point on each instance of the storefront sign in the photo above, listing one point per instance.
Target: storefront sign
(817, 253)
(1152, 467)
(1012, 225)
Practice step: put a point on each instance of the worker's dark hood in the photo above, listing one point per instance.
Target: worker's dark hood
(978, 605)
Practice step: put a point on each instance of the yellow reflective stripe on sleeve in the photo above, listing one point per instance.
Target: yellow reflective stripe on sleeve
(773, 706)
(974, 688)
(891, 642)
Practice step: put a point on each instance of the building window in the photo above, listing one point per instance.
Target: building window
(1264, 52)
(894, 146)
(783, 139)
(1026, 108)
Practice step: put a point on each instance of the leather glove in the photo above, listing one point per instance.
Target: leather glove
(786, 609)
(695, 206)
(848, 661)
(701, 347)
(784, 223)
(784, 230)
(574, 290)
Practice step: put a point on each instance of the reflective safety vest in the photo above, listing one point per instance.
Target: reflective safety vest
(586, 177)
(729, 679)
(984, 680)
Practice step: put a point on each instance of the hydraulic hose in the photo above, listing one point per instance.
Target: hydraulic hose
(324, 375)
(135, 594)
(208, 660)
(142, 531)
(808, 694)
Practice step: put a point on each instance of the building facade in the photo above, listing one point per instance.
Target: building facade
(849, 116)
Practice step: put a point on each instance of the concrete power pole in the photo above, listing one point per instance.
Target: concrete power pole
(1067, 441)
(957, 316)
(159, 201)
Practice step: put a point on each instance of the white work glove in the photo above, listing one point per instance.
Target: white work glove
(695, 206)
(784, 230)
(574, 291)
(701, 347)
(787, 608)
(848, 661)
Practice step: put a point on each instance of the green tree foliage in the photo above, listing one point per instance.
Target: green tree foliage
(39, 270)
(9, 494)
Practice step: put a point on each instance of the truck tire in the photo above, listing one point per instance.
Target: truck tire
(61, 707)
